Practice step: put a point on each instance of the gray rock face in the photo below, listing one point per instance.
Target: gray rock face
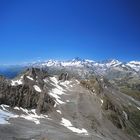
(64, 76)
(25, 95)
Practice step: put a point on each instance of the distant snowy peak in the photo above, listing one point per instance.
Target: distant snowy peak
(51, 63)
(137, 63)
(80, 63)
(113, 63)
(134, 65)
(77, 62)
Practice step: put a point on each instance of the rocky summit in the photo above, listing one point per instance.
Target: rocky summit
(25, 91)
(71, 100)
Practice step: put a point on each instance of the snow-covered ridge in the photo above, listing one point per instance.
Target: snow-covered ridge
(57, 91)
(135, 62)
(29, 115)
(113, 63)
(79, 63)
(134, 65)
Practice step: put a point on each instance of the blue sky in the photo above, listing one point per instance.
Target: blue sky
(64, 29)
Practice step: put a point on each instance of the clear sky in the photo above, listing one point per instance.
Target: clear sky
(64, 29)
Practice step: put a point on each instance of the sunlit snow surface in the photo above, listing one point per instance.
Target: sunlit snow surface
(29, 77)
(57, 91)
(134, 65)
(30, 115)
(58, 111)
(16, 82)
(69, 125)
(138, 108)
(37, 88)
(5, 115)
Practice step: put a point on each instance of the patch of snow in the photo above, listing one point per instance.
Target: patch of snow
(57, 98)
(3, 108)
(30, 118)
(79, 131)
(59, 111)
(16, 108)
(31, 115)
(33, 111)
(66, 122)
(37, 88)
(55, 105)
(54, 80)
(5, 105)
(17, 82)
(24, 110)
(46, 80)
(77, 82)
(125, 115)
(30, 78)
(57, 91)
(138, 108)
(65, 83)
(102, 101)
(132, 99)
(5, 116)
(102, 79)
(69, 125)
(56, 83)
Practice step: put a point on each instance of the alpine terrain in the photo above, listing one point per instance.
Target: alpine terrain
(70, 100)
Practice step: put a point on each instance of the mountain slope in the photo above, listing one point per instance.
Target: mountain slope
(125, 76)
(87, 109)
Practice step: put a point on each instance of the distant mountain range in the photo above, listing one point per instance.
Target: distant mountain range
(99, 67)
(77, 62)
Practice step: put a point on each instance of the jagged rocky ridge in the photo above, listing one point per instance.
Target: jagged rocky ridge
(123, 111)
(23, 93)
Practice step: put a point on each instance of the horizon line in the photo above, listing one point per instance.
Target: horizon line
(47, 59)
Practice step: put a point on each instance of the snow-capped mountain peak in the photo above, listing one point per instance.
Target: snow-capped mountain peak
(113, 63)
(135, 62)
(93, 65)
(134, 65)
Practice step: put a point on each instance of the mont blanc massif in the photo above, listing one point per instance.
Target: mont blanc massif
(70, 100)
